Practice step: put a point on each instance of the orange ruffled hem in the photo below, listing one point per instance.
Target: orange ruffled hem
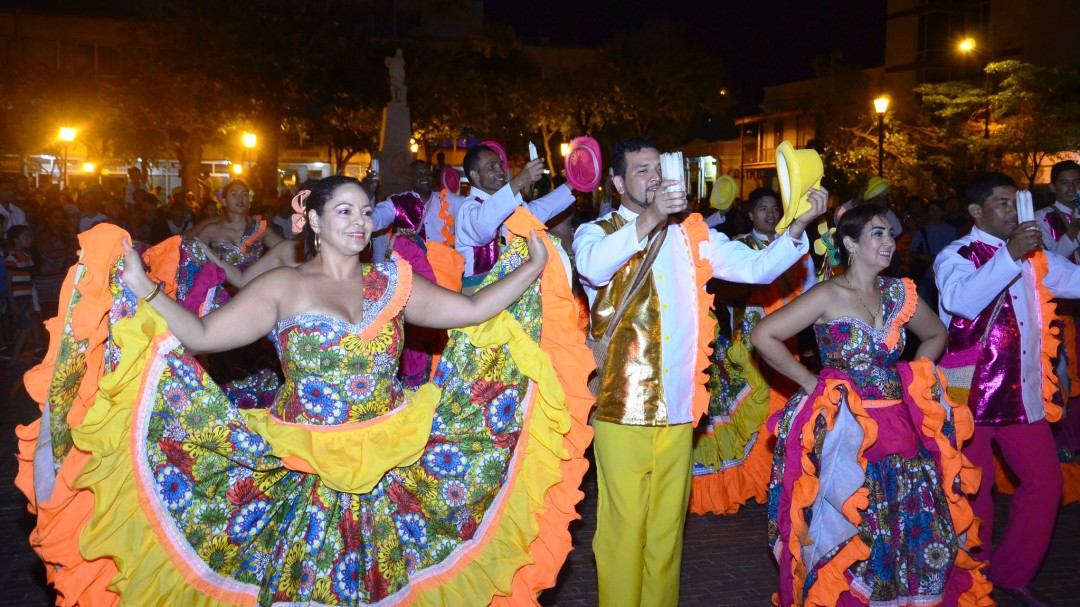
(564, 341)
(729, 489)
(831, 582)
(1051, 336)
(697, 232)
(954, 465)
(62, 517)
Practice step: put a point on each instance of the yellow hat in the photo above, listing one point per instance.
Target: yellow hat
(723, 193)
(876, 187)
(798, 171)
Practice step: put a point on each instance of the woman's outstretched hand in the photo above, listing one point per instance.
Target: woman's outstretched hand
(134, 275)
(538, 252)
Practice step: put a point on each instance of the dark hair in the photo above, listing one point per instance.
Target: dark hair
(232, 185)
(982, 187)
(757, 195)
(618, 153)
(472, 159)
(321, 193)
(1061, 167)
(16, 231)
(419, 163)
(851, 224)
(935, 203)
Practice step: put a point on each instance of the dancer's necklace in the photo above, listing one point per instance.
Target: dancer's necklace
(873, 316)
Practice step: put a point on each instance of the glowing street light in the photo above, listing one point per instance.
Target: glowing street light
(881, 105)
(88, 167)
(564, 149)
(238, 169)
(67, 135)
(249, 140)
(967, 45)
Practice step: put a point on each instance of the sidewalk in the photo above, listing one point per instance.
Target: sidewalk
(725, 558)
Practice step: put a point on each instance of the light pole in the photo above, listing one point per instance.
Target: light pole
(967, 46)
(67, 135)
(881, 105)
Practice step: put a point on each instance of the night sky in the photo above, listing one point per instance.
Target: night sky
(761, 42)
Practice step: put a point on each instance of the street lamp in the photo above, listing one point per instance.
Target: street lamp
(564, 149)
(67, 135)
(249, 142)
(881, 105)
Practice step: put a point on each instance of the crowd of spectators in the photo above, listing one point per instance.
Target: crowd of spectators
(39, 230)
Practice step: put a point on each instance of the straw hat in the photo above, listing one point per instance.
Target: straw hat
(876, 187)
(500, 151)
(798, 171)
(450, 180)
(723, 193)
(584, 164)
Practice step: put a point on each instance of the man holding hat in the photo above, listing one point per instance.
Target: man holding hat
(652, 390)
(876, 191)
(478, 221)
(995, 286)
(420, 209)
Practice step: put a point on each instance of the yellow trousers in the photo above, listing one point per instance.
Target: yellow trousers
(643, 474)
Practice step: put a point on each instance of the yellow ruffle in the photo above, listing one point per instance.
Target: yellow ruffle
(352, 458)
(151, 572)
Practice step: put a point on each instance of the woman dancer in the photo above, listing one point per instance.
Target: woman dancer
(248, 375)
(236, 236)
(865, 505)
(347, 491)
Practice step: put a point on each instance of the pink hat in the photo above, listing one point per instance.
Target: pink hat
(584, 164)
(450, 179)
(500, 151)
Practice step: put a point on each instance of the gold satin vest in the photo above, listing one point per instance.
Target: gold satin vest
(631, 386)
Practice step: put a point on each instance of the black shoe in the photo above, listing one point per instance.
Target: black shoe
(1026, 595)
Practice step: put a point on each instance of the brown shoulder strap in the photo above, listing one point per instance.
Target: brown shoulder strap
(640, 276)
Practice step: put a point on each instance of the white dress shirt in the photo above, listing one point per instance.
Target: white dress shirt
(966, 292)
(1064, 247)
(477, 224)
(600, 256)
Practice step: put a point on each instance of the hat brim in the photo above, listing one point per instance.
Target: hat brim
(795, 181)
(584, 164)
(500, 151)
(450, 180)
(723, 193)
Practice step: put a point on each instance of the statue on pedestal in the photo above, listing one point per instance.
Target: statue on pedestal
(396, 65)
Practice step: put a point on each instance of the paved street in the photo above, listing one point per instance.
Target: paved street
(725, 561)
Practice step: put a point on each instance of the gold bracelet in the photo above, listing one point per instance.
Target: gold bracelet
(153, 294)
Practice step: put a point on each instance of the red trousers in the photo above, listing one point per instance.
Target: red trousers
(1028, 450)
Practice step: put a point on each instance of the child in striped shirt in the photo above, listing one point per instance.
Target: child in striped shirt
(20, 287)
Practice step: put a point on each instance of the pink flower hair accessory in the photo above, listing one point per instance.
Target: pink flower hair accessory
(298, 218)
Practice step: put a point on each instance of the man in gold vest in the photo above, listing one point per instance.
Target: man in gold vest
(652, 390)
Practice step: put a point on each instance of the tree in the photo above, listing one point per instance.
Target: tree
(1031, 113)
(1036, 112)
(660, 79)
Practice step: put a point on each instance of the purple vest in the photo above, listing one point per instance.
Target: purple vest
(484, 257)
(409, 212)
(996, 397)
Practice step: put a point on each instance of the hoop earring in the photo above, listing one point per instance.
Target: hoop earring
(316, 242)
(850, 257)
